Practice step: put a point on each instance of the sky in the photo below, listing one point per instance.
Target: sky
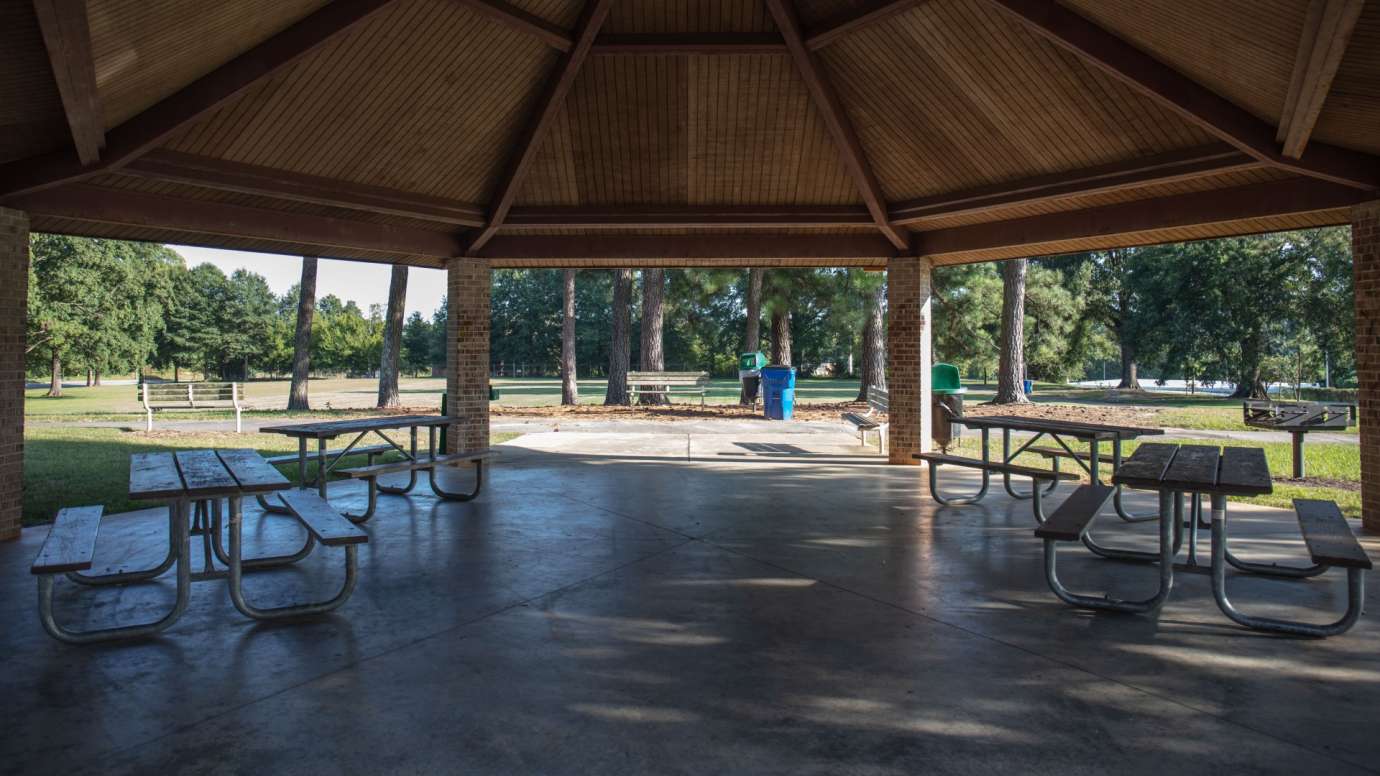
(363, 282)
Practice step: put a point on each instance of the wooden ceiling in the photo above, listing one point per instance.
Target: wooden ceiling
(617, 132)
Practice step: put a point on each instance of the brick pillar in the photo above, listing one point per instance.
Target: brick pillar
(908, 356)
(467, 353)
(1365, 248)
(14, 300)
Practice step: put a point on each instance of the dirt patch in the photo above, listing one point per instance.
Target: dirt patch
(1081, 413)
(1320, 482)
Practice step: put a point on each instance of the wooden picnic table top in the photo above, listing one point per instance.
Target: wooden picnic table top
(1063, 427)
(201, 474)
(1230, 471)
(334, 428)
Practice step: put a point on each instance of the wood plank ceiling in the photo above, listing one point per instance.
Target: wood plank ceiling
(692, 131)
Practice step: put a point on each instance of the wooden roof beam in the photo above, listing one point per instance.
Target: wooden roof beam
(1118, 176)
(157, 123)
(689, 217)
(522, 21)
(742, 247)
(1239, 203)
(224, 175)
(526, 150)
(1326, 31)
(97, 204)
(836, 120)
(709, 43)
(1186, 97)
(67, 36)
(871, 13)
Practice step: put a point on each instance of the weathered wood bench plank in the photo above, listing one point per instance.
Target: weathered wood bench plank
(1072, 518)
(204, 474)
(422, 462)
(71, 542)
(1329, 538)
(1193, 467)
(328, 526)
(996, 466)
(1146, 466)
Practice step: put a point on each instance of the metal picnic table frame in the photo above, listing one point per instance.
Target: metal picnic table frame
(1091, 433)
(325, 431)
(191, 483)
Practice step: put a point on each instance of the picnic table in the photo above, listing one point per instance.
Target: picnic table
(193, 483)
(1219, 473)
(357, 431)
(1060, 432)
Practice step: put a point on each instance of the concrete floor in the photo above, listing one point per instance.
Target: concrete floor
(687, 605)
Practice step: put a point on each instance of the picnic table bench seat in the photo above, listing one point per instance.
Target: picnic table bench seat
(371, 451)
(669, 383)
(1071, 520)
(427, 463)
(71, 542)
(877, 404)
(1328, 536)
(996, 466)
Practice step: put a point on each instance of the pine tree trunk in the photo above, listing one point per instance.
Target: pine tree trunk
(1129, 377)
(781, 337)
(1011, 368)
(392, 339)
(301, 346)
(176, 374)
(752, 337)
(873, 346)
(570, 389)
(55, 384)
(653, 318)
(620, 343)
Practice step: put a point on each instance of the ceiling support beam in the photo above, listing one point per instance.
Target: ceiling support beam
(156, 124)
(873, 12)
(520, 20)
(1326, 31)
(526, 150)
(223, 175)
(67, 36)
(831, 110)
(1240, 203)
(1118, 176)
(96, 204)
(1189, 99)
(710, 43)
(684, 217)
(742, 247)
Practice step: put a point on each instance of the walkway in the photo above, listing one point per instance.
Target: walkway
(633, 612)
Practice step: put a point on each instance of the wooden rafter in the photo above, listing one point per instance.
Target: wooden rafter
(1118, 176)
(1326, 31)
(156, 124)
(67, 36)
(1186, 97)
(836, 120)
(743, 247)
(95, 204)
(1239, 203)
(690, 43)
(871, 13)
(521, 21)
(281, 184)
(687, 217)
(526, 150)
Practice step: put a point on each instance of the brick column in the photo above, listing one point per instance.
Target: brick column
(1365, 249)
(14, 299)
(908, 357)
(467, 353)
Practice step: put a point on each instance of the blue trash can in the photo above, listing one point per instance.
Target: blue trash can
(1028, 386)
(778, 392)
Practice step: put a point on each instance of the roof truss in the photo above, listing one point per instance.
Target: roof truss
(67, 36)
(1186, 97)
(1326, 31)
(871, 13)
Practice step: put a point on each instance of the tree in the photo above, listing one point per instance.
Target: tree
(391, 355)
(617, 392)
(348, 341)
(650, 355)
(416, 344)
(752, 333)
(570, 388)
(967, 302)
(873, 343)
(301, 341)
(1011, 367)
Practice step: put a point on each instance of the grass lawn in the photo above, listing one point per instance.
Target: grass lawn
(1337, 465)
(70, 466)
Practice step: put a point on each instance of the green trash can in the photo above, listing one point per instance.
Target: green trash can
(946, 404)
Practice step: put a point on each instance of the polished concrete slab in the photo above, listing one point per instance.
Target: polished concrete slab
(616, 606)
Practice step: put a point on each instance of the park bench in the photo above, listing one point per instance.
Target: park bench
(871, 420)
(371, 475)
(189, 396)
(665, 383)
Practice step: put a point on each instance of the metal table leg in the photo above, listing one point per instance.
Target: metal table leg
(1121, 511)
(1006, 476)
(1154, 602)
(952, 501)
(290, 610)
(396, 491)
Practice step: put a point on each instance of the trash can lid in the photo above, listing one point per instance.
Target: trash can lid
(944, 379)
